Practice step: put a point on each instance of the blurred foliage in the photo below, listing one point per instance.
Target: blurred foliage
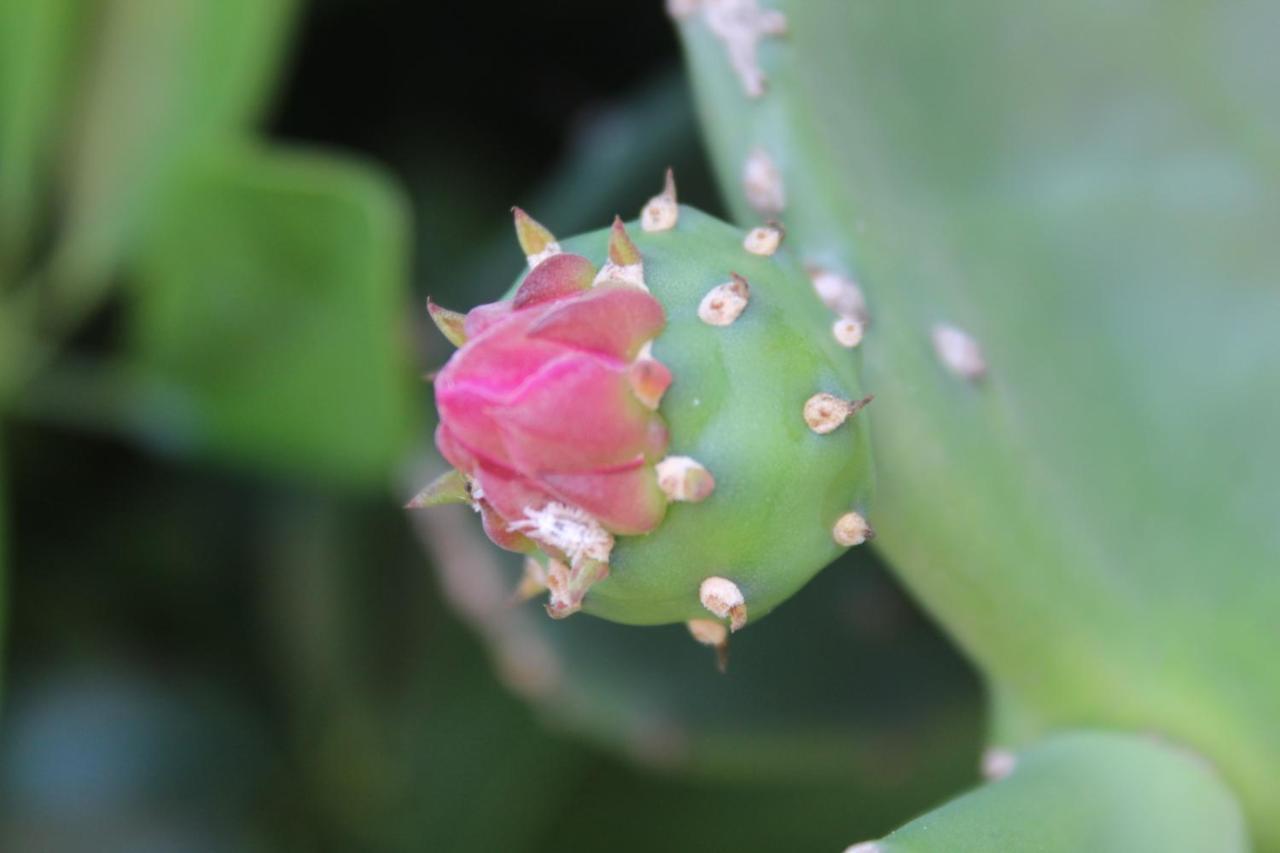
(269, 294)
(225, 635)
(1081, 790)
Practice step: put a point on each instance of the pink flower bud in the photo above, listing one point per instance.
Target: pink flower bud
(543, 403)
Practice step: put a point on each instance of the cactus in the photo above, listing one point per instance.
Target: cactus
(1084, 790)
(636, 424)
(1070, 271)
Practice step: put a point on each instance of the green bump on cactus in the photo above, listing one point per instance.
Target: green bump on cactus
(719, 503)
(1102, 792)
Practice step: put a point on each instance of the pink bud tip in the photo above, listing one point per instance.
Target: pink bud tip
(555, 278)
(649, 381)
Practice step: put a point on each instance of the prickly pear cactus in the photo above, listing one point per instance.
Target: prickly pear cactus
(1063, 215)
(661, 418)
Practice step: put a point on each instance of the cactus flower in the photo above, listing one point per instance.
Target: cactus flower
(710, 501)
(550, 413)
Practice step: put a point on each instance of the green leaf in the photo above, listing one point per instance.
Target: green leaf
(37, 53)
(166, 79)
(1092, 191)
(271, 299)
(1101, 792)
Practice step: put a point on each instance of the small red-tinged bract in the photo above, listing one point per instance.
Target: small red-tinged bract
(645, 457)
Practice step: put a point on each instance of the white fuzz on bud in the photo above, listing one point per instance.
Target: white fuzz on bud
(566, 528)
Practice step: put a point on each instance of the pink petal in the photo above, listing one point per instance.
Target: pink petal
(626, 501)
(577, 415)
(496, 528)
(611, 319)
(484, 317)
(649, 379)
(497, 365)
(555, 278)
(509, 493)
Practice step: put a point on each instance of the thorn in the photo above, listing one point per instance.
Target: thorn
(662, 211)
(959, 352)
(765, 239)
(625, 264)
(450, 323)
(622, 251)
(451, 487)
(711, 633)
(851, 529)
(536, 241)
(724, 599)
(762, 183)
(847, 332)
(825, 412)
(533, 581)
(725, 302)
(684, 479)
(430, 376)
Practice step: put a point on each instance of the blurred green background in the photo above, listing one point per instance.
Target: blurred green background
(219, 221)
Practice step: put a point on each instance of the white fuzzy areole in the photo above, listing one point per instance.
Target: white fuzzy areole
(840, 293)
(683, 478)
(566, 528)
(724, 599)
(632, 274)
(851, 529)
(847, 332)
(763, 240)
(863, 847)
(741, 25)
(959, 353)
(998, 763)
(662, 211)
(724, 303)
(762, 183)
(824, 412)
(552, 248)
